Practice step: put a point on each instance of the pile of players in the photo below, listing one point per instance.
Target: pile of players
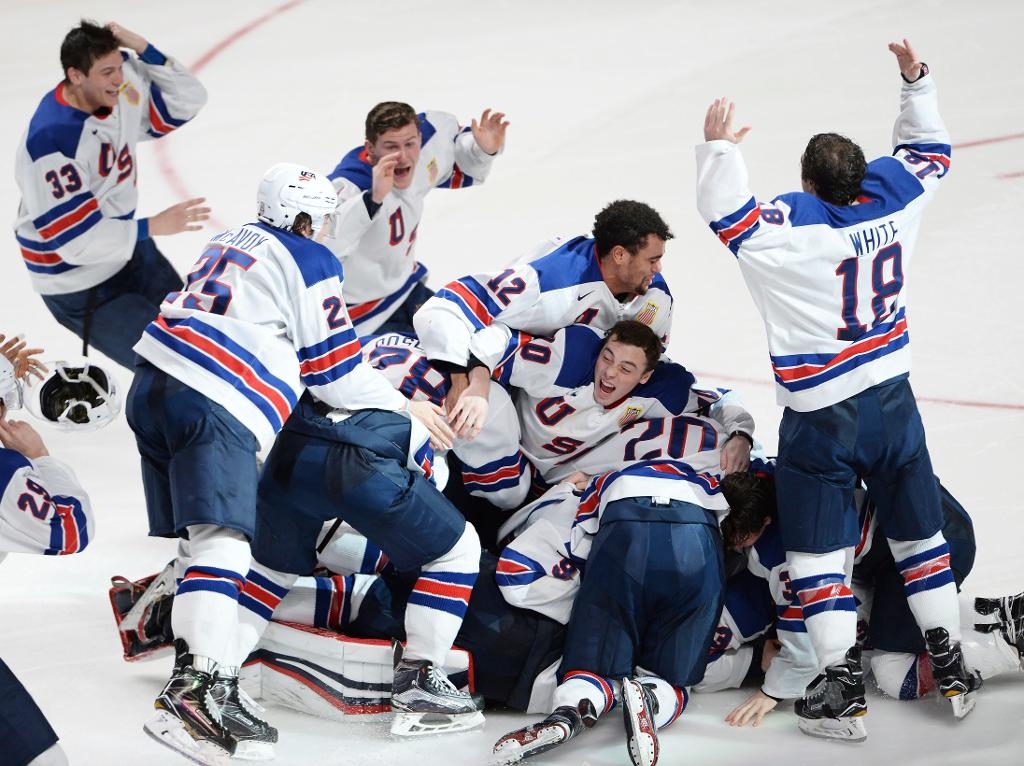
(595, 470)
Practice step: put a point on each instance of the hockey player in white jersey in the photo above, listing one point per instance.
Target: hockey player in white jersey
(382, 187)
(646, 539)
(597, 280)
(826, 270)
(578, 389)
(261, 320)
(88, 254)
(896, 652)
(43, 510)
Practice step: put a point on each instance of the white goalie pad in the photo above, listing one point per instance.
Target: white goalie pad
(329, 675)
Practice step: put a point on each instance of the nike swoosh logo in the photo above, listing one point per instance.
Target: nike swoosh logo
(581, 297)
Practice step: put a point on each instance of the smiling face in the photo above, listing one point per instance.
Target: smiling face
(630, 273)
(100, 87)
(619, 369)
(406, 141)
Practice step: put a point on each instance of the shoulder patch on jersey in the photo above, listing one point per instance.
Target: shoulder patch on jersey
(315, 262)
(354, 167)
(10, 463)
(574, 263)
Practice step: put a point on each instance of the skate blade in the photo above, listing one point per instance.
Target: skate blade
(170, 732)
(642, 738)
(963, 703)
(842, 729)
(419, 724)
(251, 750)
(511, 749)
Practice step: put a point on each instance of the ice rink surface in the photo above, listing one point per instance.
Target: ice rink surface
(606, 101)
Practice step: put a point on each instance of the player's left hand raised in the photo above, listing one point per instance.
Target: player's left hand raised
(128, 39)
(489, 131)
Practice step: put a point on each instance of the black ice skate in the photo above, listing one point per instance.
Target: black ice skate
(834, 705)
(1009, 613)
(426, 702)
(255, 737)
(639, 706)
(187, 719)
(558, 728)
(954, 681)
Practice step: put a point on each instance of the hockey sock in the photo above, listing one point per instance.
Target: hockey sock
(263, 591)
(827, 603)
(348, 552)
(439, 600)
(989, 653)
(901, 675)
(672, 700)
(928, 583)
(331, 603)
(582, 684)
(206, 603)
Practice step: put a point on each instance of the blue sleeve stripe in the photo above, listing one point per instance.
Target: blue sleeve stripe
(335, 373)
(339, 339)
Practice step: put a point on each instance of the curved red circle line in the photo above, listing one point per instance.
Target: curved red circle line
(167, 169)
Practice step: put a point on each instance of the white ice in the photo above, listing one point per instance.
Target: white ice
(606, 101)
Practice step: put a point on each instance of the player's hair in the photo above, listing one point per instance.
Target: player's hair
(84, 44)
(634, 333)
(835, 166)
(627, 223)
(751, 499)
(389, 115)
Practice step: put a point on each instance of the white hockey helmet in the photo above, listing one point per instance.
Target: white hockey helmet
(76, 395)
(10, 387)
(288, 189)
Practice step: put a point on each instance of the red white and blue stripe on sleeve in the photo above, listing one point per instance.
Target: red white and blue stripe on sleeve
(737, 227)
(58, 227)
(517, 569)
(218, 354)
(473, 301)
(160, 120)
(503, 473)
(329, 360)
(798, 372)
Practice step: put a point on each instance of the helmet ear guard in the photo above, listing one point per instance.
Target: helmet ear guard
(76, 395)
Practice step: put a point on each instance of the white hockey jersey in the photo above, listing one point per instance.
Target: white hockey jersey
(77, 173)
(260, 320)
(561, 287)
(559, 417)
(402, 361)
(695, 437)
(540, 568)
(828, 280)
(43, 508)
(379, 252)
